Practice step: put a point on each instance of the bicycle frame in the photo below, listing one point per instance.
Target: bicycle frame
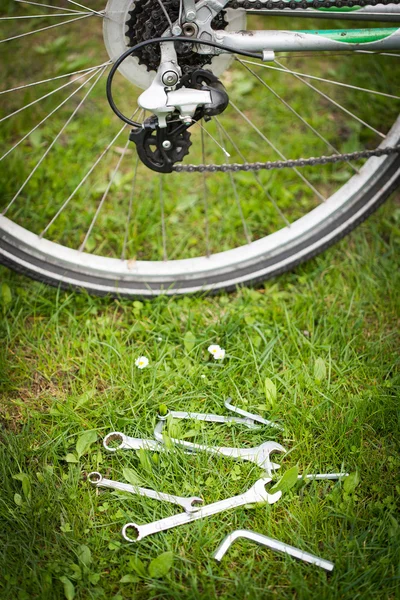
(376, 39)
(269, 41)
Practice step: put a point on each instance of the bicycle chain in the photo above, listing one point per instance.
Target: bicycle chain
(281, 164)
(303, 4)
(300, 162)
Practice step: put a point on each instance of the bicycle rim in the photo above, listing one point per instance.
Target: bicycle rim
(279, 243)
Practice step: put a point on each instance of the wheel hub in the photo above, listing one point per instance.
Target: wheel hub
(119, 35)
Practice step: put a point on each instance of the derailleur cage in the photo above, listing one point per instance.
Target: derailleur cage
(159, 148)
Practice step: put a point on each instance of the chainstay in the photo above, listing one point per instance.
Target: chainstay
(282, 164)
(303, 4)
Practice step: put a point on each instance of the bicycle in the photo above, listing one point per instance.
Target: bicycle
(199, 196)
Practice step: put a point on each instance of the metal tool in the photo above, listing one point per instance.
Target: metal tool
(260, 455)
(248, 421)
(271, 543)
(256, 493)
(130, 443)
(251, 416)
(320, 476)
(189, 504)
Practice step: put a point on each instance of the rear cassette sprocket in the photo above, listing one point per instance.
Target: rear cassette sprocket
(147, 21)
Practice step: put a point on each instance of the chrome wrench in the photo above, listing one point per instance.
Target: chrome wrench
(251, 416)
(248, 420)
(270, 543)
(130, 443)
(259, 455)
(323, 476)
(256, 493)
(188, 504)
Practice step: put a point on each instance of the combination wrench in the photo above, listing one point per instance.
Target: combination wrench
(255, 494)
(259, 455)
(188, 504)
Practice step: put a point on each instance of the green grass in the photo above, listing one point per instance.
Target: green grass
(68, 360)
(68, 367)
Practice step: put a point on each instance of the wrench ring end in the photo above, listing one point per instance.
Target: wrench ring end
(126, 528)
(95, 477)
(114, 436)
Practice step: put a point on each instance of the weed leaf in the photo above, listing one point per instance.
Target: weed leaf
(131, 476)
(161, 565)
(270, 391)
(85, 397)
(189, 341)
(6, 296)
(129, 579)
(84, 555)
(18, 499)
(69, 589)
(144, 460)
(319, 370)
(287, 481)
(26, 484)
(138, 566)
(84, 442)
(351, 482)
(71, 458)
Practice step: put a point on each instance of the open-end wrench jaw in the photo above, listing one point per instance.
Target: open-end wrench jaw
(262, 455)
(258, 493)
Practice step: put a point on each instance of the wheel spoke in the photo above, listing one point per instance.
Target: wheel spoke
(67, 201)
(378, 53)
(237, 199)
(15, 37)
(50, 114)
(256, 175)
(70, 10)
(43, 16)
(339, 83)
(103, 199)
(332, 101)
(180, 12)
(263, 137)
(163, 230)
(293, 111)
(224, 150)
(22, 87)
(48, 94)
(160, 2)
(91, 10)
(205, 196)
(102, 71)
(131, 198)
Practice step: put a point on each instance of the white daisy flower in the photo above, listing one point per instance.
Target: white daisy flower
(142, 362)
(214, 349)
(220, 354)
(217, 352)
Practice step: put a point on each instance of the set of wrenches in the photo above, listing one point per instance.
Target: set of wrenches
(193, 506)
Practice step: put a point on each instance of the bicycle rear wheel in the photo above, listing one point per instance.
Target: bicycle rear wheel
(121, 229)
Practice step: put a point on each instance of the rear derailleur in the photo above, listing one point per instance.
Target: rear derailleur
(176, 103)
